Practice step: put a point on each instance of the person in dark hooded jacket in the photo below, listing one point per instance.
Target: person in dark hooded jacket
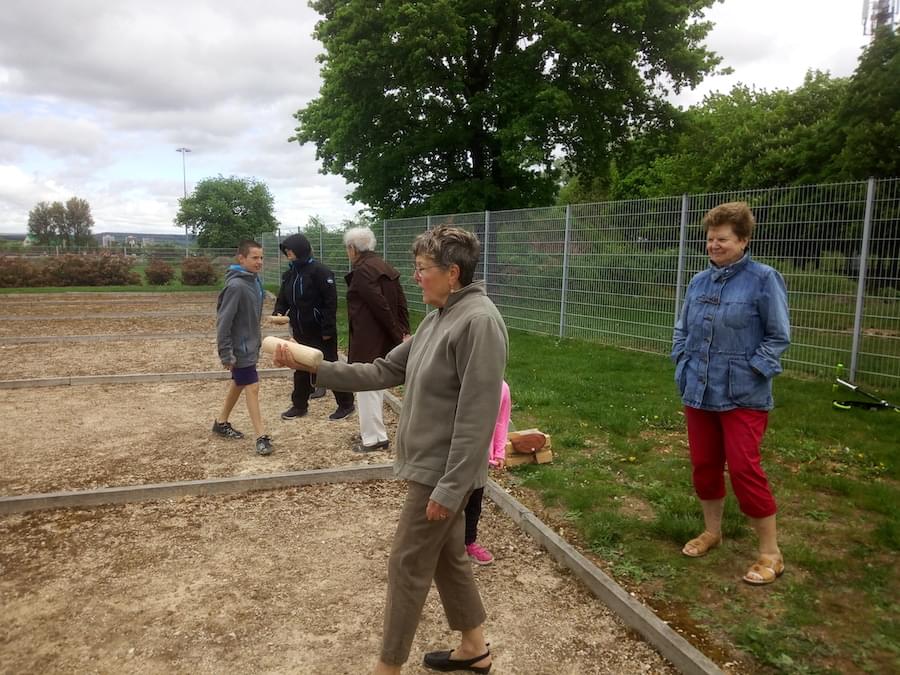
(309, 298)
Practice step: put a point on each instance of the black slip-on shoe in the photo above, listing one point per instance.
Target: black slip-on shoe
(375, 447)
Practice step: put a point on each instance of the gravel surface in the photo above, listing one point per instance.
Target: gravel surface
(288, 580)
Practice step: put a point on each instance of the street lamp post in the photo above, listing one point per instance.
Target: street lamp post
(184, 152)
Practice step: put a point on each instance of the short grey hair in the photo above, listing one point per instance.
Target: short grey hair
(360, 238)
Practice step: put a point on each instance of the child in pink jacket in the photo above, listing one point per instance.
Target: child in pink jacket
(497, 459)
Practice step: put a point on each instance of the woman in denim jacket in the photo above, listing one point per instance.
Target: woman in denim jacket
(727, 346)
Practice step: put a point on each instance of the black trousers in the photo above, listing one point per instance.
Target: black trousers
(302, 382)
(473, 515)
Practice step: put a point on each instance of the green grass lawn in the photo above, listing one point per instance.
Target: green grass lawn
(621, 477)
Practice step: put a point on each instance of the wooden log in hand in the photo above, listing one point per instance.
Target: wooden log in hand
(307, 356)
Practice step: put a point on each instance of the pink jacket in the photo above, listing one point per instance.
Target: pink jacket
(501, 427)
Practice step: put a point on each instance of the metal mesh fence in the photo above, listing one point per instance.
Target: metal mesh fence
(615, 272)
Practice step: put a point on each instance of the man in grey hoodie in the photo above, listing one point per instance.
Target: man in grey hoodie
(238, 335)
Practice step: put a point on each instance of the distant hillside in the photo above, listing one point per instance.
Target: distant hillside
(120, 237)
(173, 238)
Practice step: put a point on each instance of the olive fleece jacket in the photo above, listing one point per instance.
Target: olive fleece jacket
(452, 369)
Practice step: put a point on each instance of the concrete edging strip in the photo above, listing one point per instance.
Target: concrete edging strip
(142, 315)
(191, 488)
(681, 653)
(120, 337)
(82, 380)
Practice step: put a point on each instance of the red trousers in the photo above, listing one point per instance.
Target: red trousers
(730, 437)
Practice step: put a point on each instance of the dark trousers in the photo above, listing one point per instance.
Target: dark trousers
(302, 384)
(473, 515)
(426, 550)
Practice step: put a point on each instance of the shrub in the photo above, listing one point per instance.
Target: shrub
(20, 272)
(159, 272)
(104, 269)
(198, 271)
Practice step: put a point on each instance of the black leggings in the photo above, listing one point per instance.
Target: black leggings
(302, 380)
(473, 514)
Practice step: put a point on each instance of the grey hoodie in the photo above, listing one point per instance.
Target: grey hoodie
(238, 315)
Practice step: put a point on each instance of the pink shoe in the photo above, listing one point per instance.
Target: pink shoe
(479, 555)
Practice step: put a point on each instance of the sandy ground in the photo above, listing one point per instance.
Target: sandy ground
(67, 438)
(282, 581)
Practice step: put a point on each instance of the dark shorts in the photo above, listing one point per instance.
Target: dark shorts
(244, 376)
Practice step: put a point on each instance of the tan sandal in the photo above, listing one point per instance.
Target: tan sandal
(701, 545)
(765, 570)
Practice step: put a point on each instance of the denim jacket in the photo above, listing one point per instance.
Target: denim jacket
(730, 335)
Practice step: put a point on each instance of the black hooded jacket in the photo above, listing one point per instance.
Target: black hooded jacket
(308, 294)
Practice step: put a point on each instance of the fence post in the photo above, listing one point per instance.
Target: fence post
(682, 239)
(565, 273)
(484, 253)
(428, 222)
(861, 282)
(384, 239)
(321, 240)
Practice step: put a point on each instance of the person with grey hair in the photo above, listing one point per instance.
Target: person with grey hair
(379, 321)
(452, 369)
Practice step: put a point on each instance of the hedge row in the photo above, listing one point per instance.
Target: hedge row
(102, 269)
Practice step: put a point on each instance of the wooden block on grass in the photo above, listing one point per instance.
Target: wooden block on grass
(519, 458)
(527, 440)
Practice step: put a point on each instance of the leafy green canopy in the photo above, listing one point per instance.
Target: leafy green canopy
(223, 211)
(828, 129)
(66, 224)
(461, 105)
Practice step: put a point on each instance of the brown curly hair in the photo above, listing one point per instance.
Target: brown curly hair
(736, 214)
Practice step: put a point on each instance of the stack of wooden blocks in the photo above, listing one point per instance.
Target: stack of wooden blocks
(530, 446)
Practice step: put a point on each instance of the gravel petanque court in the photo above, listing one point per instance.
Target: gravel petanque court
(287, 580)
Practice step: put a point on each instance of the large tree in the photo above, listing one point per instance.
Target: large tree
(869, 118)
(746, 138)
(223, 211)
(59, 224)
(78, 223)
(827, 130)
(458, 105)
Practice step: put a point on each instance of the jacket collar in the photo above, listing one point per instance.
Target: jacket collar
(475, 288)
(723, 273)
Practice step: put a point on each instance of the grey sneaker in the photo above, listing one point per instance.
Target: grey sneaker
(263, 445)
(318, 393)
(225, 430)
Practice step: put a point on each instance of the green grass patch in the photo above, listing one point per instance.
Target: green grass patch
(621, 474)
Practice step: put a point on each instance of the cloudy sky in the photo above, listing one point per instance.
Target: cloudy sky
(96, 95)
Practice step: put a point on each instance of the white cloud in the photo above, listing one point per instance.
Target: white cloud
(771, 44)
(20, 191)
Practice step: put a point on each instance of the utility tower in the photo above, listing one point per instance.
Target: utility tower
(878, 13)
